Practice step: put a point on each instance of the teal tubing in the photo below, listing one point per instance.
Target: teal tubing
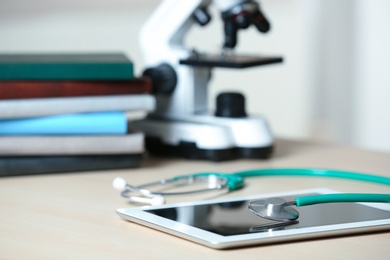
(315, 172)
(326, 198)
(342, 197)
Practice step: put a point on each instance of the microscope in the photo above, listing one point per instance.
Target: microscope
(182, 124)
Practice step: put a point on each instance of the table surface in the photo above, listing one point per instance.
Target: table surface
(72, 215)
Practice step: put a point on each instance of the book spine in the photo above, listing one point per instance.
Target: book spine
(71, 66)
(71, 145)
(105, 123)
(66, 72)
(47, 89)
(14, 166)
(20, 108)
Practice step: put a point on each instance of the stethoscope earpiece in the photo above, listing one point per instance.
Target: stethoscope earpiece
(146, 197)
(119, 183)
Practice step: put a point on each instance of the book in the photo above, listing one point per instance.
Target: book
(28, 165)
(131, 143)
(103, 123)
(65, 66)
(47, 89)
(35, 107)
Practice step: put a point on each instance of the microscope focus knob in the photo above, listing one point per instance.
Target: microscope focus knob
(164, 78)
(230, 104)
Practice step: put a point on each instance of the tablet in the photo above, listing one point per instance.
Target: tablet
(227, 223)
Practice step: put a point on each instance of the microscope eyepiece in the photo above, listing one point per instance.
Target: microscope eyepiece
(243, 20)
(241, 16)
(261, 22)
(230, 29)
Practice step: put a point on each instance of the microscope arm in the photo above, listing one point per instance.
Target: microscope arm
(161, 38)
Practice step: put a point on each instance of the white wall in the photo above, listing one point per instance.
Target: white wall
(353, 88)
(315, 93)
(372, 75)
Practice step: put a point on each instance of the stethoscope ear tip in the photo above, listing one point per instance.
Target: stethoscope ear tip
(119, 183)
(157, 200)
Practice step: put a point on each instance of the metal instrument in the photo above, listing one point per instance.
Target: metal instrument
(274, 208)
(182, 124)
(278, 209)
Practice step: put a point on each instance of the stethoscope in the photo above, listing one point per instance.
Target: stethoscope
(276, 209)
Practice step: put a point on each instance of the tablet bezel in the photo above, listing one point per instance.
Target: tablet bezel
(141, 216)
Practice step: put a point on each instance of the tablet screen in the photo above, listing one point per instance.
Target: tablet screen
(234, 218)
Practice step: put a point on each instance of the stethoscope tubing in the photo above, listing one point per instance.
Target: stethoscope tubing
(315, 172)
(342, 197)
(235, 181)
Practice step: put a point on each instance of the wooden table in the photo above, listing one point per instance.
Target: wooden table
(72, 216)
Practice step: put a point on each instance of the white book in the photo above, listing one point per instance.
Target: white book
(132, 143)
(35, 107)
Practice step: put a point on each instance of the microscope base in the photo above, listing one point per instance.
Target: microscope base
(208, 137)
(189, 150)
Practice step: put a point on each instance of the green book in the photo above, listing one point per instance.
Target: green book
(72, 66)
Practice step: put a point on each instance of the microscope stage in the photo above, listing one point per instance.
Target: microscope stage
(229, 61)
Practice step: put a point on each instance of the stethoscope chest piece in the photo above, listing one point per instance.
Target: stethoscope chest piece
(276, 209)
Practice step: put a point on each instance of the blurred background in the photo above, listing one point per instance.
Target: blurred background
(334, 84)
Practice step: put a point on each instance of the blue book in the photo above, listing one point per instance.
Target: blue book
(104, 123)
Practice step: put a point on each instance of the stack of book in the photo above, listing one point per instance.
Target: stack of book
(67, 113)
